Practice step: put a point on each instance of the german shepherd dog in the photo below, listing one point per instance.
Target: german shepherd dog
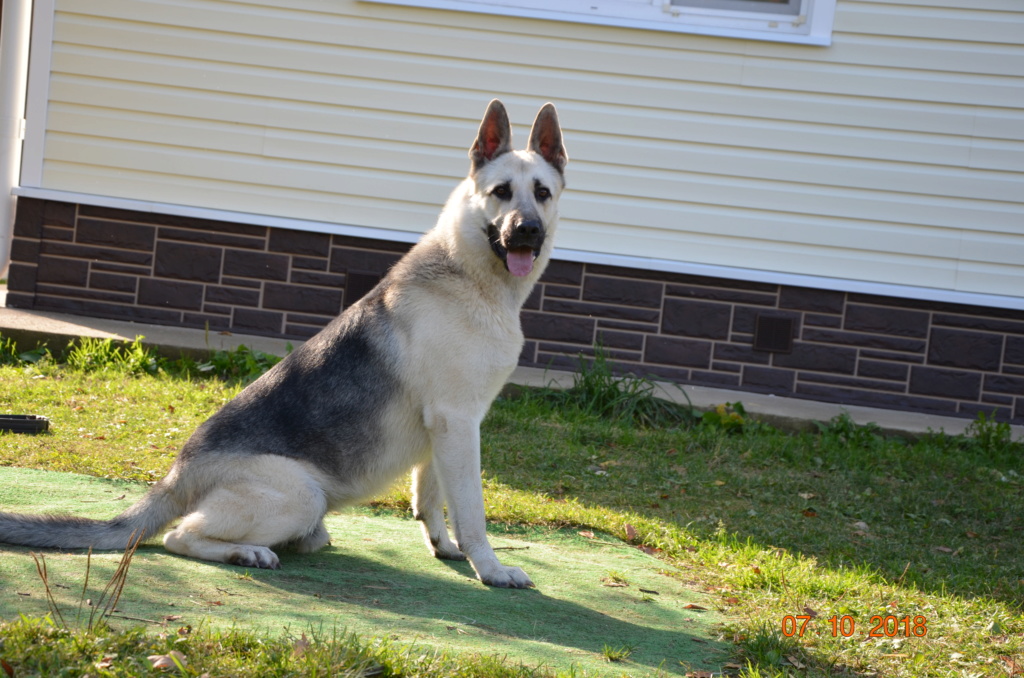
(401, 379)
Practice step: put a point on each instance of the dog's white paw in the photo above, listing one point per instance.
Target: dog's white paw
(445, 549)
(504, 577)
(254, 556)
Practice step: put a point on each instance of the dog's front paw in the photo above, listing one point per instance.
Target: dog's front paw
(504, 577)
(444, 548)
(254, 556)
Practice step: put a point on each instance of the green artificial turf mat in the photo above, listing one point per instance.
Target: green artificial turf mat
(377, 580)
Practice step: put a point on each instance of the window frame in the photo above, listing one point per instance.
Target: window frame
(812, 24)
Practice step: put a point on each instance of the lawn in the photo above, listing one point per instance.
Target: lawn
(834, 553)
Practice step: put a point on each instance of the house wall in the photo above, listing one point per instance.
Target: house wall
(254, 168)
(890, 161)
(847, 348)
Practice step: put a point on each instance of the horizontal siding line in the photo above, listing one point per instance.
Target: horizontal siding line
(500, 47)
(790, 199)
(580, 256)
(709, 100)
(273, 58)
(724, 131)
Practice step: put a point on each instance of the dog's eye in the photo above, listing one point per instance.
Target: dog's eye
(502, 192)
(541, 193)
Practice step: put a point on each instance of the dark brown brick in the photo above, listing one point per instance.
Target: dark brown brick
(351, 242)
(741, 353)
(1014, 350)
(557, 328)
(715, 378)
(676, 351)
(21, 277)
(895, 322)
(612, 354)
(59, 214)
(19, 300)
(305, 319)
(58, 233)
(664, 373)
(851, 382)
(882, 369)
(28, 219)
(299, 242)
(128, 269)
(813, 300)
(81, 292)
(113, 282)
(615, 339)
(533, 301)
(211, 238)
(115, 234)
(309, 263)
(819, 320)
(707, 320)
(563, 273)
(259, 265)
(933, 381)
(232, 295)
(561, 291)
(601, 310)
(170, 294)
(963, 349)
(62, 271)
(301, 299)
(25, 249)
(97, 254)
(257, 321)
(721, 294)
(860, 340)
(334, 280)
(158, 219)
(358, 285)
(622, 291)
(188, 262)
(612, 324)
(818, 357)
(768, 379)
(345, 260)
(216, 309)
(996, 320)
(241, 282)
(999, 383)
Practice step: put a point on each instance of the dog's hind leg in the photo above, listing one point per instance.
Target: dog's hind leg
(269, 501)
(428, 508)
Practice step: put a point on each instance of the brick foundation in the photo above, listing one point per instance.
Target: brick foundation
(845, 348)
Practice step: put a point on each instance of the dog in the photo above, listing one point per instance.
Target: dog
(400, 380)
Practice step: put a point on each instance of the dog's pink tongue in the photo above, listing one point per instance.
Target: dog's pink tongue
(520, 261)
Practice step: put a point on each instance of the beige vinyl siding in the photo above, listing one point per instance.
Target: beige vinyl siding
(896, 156)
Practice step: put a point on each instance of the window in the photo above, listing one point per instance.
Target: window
(800, 21)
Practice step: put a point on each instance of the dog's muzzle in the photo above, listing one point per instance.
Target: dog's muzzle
(520, 247)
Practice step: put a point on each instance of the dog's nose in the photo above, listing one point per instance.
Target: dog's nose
(530, 227)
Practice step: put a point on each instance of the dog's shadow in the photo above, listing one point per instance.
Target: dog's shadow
(429, 598)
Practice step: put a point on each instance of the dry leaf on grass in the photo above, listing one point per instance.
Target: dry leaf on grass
(171, 660)
(630, 532)
(301, 645)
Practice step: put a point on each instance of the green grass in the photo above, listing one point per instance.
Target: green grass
(792, 532)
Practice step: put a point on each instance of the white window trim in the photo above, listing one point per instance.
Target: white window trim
(813, 25)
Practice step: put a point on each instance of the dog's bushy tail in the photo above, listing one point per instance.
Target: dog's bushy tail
(143, 520)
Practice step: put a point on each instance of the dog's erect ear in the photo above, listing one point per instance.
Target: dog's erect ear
(546, 138)
(494, 137)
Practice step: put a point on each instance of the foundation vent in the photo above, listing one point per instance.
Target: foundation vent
(774, 333)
